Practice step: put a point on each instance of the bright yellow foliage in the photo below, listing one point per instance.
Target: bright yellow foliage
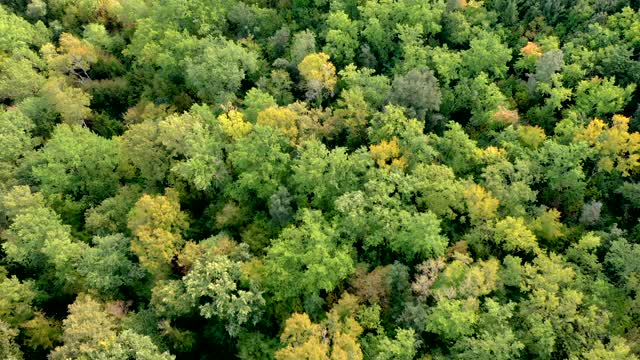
(481, 204)
(234, 125)
(387, 154)
(617, 148)
(280, 118)
(513, 235)
(318, 71)
(492, 155)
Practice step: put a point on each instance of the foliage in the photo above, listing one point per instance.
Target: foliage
(319, 179)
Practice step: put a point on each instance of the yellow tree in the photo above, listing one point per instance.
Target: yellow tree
(617, 148)
(74, 56)
(234, 125)
(319, 75)
(281, 118)
(336, 338)
(156, 222)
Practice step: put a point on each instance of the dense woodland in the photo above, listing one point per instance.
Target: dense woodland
(319, 179)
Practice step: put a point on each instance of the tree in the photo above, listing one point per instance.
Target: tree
(77, 165)
(303, 44)
(196, 139)
(38, 240)
(374, 87)
(19, 77)
(452, 319)
(9, 349)
(107, 268)
(599, 97)
(487, 54)
(256, 101)
(110, 216)
(306, 259)
(70, 102)
(335, 338)
(417, 91)
(512, 235)
(73, 57)
(260, 177)
(617, 148)
(321, 176)
(216, 74)
(319, 75)
(213, 282)
(88, 331)
(282, 119)
(157, 222)
(341, 40)
(143, 154)
(16, 139)
(495, 338)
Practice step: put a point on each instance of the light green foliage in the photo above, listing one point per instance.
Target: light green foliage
(306, 259)
(467, 169)
(194, 137)
(90, 332)
(19, 33)
(342, 38)
(37, 238)
(600, 97)
(70, 102)
(260, 177)
(77, 164)
(16, 301)
(393, 123)
(374, 87)
(402, 347)
(436, 189)
(456, 149)
(19, 76)
(9, 349)
(16, 141)
(487, 54)
(255, 101)
(451, 319)
(325, 174)
(216, 278)
(375, 218)
(217, 73)
(561, 169)
(495, 338)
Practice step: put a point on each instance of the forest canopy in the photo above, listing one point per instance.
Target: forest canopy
(319, 179)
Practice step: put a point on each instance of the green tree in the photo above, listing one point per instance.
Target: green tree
(76, 164)
(306, 259)
(214, 284)
(217, 73)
